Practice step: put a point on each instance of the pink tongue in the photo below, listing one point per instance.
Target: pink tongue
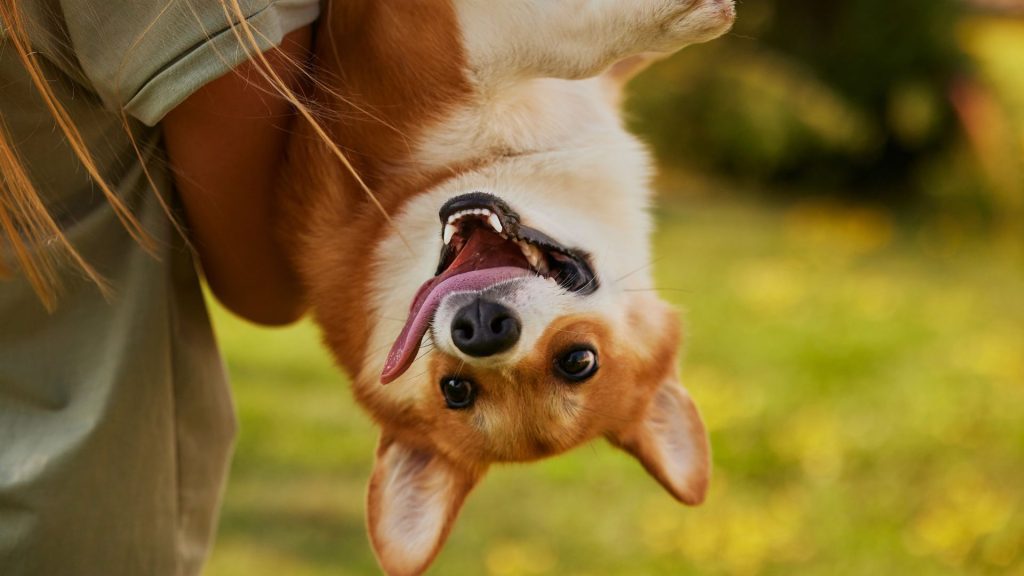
(403, 352)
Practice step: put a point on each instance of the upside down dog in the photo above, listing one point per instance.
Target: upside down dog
(503, 313)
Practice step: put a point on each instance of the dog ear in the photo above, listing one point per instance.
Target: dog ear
(670, 441)
(413, 499)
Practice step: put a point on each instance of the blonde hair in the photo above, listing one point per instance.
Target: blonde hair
(27, 230)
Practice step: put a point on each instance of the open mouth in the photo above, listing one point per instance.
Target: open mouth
(485, 244)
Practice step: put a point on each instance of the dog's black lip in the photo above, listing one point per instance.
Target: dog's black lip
(512, 227)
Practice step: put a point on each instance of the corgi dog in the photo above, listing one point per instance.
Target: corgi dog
(491, 300)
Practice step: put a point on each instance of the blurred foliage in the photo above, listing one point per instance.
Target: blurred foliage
(862, 379)
(863, 98)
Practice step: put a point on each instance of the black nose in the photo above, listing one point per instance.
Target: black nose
(484, 328)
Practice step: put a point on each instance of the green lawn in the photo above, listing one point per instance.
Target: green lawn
(862, 380)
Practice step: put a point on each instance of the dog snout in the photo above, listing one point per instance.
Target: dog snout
(484, 328)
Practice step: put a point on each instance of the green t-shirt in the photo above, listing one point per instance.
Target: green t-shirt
(116, 424)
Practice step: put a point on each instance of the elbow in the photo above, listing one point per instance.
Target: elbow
(277, 317)
(270, 310)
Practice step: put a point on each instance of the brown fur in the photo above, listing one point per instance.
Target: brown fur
(386, 70)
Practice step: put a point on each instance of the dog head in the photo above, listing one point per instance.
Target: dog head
(521, 325)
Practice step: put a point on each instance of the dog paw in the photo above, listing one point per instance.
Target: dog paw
(684, 22)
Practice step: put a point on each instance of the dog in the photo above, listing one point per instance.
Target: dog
(491, 299)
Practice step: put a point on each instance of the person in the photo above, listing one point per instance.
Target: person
(116, 423)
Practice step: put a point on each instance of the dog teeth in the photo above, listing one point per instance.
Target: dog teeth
(491, 218)
(533, 255)
(495, 222)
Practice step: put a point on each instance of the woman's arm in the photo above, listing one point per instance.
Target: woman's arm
(227, 145)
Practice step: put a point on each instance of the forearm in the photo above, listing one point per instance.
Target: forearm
(227, 145)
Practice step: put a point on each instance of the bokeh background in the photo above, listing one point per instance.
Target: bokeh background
(842, 222)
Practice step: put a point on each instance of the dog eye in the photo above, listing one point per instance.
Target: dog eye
(459, 393)
(577, 365)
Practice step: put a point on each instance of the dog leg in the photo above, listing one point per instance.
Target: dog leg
(572, 39)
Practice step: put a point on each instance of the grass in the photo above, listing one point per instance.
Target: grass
(862, 379)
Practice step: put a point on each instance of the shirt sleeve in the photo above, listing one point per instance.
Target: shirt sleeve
(146, 56)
